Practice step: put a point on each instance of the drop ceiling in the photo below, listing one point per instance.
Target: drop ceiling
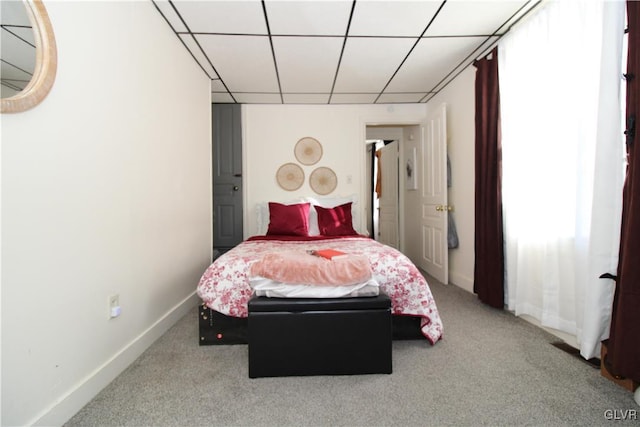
(336, 51)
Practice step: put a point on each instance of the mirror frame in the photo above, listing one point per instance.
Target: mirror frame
(46, 62)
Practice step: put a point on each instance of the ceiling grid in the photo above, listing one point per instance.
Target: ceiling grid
(338, 51)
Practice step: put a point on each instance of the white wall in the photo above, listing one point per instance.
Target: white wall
(105, 189)
(270, 133)
(460, 100)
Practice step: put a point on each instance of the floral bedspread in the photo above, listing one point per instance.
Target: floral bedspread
(224, 286)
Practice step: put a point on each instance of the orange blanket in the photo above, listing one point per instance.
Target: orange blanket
(296, 267)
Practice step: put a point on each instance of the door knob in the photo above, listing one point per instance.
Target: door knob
(439, 208)
(235, 188)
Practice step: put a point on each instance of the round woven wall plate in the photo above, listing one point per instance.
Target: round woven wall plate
(308, 151)
(290, 176)
(323, 180)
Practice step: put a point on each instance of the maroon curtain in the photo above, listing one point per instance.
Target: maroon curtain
(623, 349)
(489, 258)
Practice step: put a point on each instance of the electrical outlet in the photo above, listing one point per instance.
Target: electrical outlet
(114, 306)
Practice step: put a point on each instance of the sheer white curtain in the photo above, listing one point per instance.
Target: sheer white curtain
(560, 78)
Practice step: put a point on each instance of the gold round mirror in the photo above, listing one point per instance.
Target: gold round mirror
(46, 60)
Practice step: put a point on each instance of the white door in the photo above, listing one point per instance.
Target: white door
(388, 202)
(435, 255)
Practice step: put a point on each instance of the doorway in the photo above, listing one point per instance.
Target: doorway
(422, 197)
(432, 200)
(383, 191)
(384, 209)
(227, 176)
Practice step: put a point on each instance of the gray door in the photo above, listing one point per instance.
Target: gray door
(227, 176)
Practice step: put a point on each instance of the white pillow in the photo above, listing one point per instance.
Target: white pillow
(274, 289)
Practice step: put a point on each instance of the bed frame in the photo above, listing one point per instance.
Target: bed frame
(218, 329)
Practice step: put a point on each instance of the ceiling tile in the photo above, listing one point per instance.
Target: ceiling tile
(307, 64)
(392, 18)
(308, 17)
(258, 98)
(244, 63)
(306, 98)
(26, 34)
(14, 13)
(399, 98)
(217, 86)
(353, 98)
(482, 49)
(368, 63)
(464, 17)
(222, 98)
(428, 97)
(223, 16)
(170, 15)
(431, 61)
(195, 50)
(17, 53)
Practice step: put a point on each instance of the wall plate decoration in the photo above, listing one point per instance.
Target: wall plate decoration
(323, 180)
(308, 151)
(290, 176)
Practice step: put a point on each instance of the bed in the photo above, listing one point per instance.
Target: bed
(226, 286)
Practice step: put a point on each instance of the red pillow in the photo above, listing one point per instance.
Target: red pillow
(288, 220)
(335, 221)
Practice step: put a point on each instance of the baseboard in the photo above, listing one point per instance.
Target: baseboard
(461, 281)
(594, 362)
(69, 404)
(564, 336)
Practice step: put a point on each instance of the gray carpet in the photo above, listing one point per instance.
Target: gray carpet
(490, 368)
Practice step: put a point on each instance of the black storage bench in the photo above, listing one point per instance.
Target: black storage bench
(324, 336)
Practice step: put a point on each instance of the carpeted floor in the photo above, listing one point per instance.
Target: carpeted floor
(490, 368)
